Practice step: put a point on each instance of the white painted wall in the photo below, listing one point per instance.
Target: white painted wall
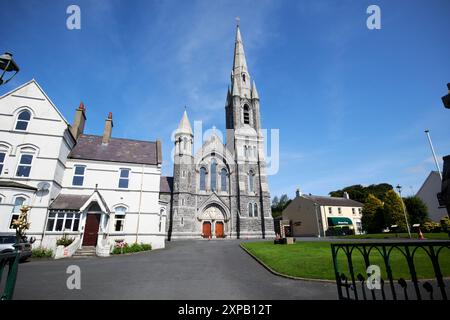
(47, 138)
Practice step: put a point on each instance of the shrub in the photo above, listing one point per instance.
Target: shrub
(431, 227)
(64, 241)
(42, 253)
(123, 247)
(445, 224)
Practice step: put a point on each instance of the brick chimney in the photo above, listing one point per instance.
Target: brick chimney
(108, 129)
(78, 123)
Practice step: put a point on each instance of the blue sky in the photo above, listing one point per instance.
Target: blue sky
(351, 103)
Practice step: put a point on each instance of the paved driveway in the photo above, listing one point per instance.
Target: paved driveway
(184, 270)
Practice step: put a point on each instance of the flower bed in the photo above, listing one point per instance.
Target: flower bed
(122, 247)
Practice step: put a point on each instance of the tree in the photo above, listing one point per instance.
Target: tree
(372, 215)
(275, 202)
(393, 211)
(360, 193)
(283, 202)
(417, 210)
(278, 205)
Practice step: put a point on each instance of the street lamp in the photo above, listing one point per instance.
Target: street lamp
(317, 220)
(399, 188)
(427, 132)
(7, 64)
(446, 98)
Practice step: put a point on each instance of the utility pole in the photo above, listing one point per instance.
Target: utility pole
(399, 188)
(427, 132)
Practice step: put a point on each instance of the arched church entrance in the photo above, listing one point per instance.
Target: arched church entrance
(206, 228)
(213, 222)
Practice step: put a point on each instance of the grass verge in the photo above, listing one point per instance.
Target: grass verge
(313, 260)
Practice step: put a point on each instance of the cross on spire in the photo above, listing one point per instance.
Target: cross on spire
(238, 20)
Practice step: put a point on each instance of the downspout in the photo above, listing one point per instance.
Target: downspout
(140, 201)
(238, 227)
(229, 202)
(263, 222)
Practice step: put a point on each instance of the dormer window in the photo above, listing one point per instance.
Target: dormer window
(246, 114)
(22, 120)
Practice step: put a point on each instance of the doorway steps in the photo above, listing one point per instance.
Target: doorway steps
(86, 251)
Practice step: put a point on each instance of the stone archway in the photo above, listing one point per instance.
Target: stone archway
(213, 220)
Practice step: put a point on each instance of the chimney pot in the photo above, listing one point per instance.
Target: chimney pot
(110, 115)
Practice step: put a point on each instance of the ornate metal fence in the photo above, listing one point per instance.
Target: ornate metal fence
(9, 261)
(351, 286)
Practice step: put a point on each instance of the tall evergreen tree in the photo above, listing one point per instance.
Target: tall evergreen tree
(393, 211)
(417, 210)
(372, 215)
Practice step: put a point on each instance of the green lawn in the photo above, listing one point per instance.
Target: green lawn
(430, 236)
(313, 260)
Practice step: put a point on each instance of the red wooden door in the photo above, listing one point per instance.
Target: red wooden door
(219, 230)
(206, 229)
(91, 230)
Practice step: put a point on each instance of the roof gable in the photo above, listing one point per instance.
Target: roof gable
(32, 89)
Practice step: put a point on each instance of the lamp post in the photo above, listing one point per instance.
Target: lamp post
(427, 132)
(399, 188)
(317, 219)
(7, 64)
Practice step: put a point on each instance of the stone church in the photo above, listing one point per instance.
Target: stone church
(222, 191)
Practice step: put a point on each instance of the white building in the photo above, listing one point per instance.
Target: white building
(428, 194)
(315, 216)
(95, 188)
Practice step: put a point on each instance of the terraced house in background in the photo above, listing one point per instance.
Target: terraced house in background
(95, 188)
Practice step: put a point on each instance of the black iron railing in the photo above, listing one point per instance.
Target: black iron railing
(362, 286)
(10, 261)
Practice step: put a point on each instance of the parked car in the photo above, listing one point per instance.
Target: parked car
(7, 245)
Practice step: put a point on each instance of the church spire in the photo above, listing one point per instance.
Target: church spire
(184, 126)
(239, 74)
(239, 63)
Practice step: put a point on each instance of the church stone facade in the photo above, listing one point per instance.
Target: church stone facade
(222, 191)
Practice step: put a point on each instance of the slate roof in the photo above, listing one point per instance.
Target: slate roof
(13, 184)
(69, 201)
(333, 201)
(165, 184)
(90, 147)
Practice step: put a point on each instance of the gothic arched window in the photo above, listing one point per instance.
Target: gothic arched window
(255, 210)
(202, 178)
(243, 77)
(250, 209)
(246, 114)
(251, 181)
(185, 144)
(213, 175)
(223, 179)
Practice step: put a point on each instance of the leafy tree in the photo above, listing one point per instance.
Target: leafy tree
(360, 193)
(278, 205)
(393, 211)
(283, 201)
(417, 210)
(372, 215)
(275, 202)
